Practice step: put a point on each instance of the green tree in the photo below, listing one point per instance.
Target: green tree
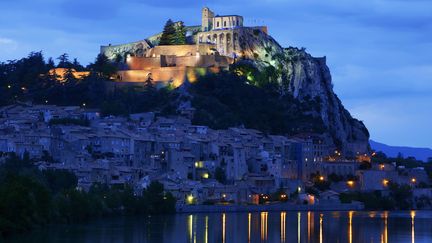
(103, 67)
(180, 34)
(64, 61)
(50, 63)
(168, 34)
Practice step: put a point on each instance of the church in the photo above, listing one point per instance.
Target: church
(211, 47)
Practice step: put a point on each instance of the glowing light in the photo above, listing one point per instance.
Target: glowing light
(205, 176)
(413, 213)
(46, 101)
(83, 104)
(350, 233)
(282, 226)
(382, 166)
(321, 228)
(190, 227)
(206, 230)
(264, 226)
(249, 226)
(321, 178)
(413, 180)
(9, 86)
(298, 227)
(223, 228)
(309, 225)
(224, 195)
(190, 199)
(384, 236)
(350, 183)
(385, 182)
(299, 189)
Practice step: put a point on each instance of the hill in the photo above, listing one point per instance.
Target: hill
(393, 151)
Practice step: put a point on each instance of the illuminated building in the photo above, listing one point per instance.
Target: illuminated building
(60, 74)
(210, 48)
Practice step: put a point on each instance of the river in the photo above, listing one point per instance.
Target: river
(410, 226)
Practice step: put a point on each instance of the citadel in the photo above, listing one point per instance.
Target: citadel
(211, 47)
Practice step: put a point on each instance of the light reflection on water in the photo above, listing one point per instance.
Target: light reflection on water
(414, 226)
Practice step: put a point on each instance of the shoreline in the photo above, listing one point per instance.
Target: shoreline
(268, 208)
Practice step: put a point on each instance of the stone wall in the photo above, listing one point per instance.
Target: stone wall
(141, 63)
(146, 63)
(165, 75)
(113, 52)
(176, 50)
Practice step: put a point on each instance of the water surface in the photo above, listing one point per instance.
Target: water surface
(414, 226)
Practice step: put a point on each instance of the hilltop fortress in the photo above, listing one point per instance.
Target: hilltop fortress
(211, 47)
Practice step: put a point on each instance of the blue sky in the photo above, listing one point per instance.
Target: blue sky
(379, 51)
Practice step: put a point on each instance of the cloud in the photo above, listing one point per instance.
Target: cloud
(7, 46)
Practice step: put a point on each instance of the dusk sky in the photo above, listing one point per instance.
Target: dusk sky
(379, 51)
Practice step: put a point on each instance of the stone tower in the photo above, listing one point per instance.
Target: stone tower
(207, 19)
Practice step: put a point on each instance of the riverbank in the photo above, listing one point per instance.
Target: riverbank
(355, 206)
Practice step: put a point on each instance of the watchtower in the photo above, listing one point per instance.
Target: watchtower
(207, 19)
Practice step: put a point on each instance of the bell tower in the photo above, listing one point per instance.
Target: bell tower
(207, 19)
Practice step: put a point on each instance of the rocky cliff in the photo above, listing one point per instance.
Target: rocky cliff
(306, 78)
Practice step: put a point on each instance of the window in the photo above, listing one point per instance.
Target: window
(217, 24)
(224, 23)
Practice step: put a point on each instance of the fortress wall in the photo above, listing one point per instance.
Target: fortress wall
(140, 63)
(137, 48)
(147, 63)
(206, 49)
(203, 61)
(176, 50)
(166, 75)
(161, 74)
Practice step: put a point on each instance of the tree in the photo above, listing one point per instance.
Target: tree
(76, 65)
(64, 61)
(103, 67)
(402, 195)
(69, 77)
(50, 63)
(400, 156)
(180, 34)
(220, 175)
(168, 34)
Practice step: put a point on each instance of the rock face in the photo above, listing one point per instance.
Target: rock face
(306, 77)
(309, 77)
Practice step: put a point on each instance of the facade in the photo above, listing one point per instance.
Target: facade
(188, 159)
